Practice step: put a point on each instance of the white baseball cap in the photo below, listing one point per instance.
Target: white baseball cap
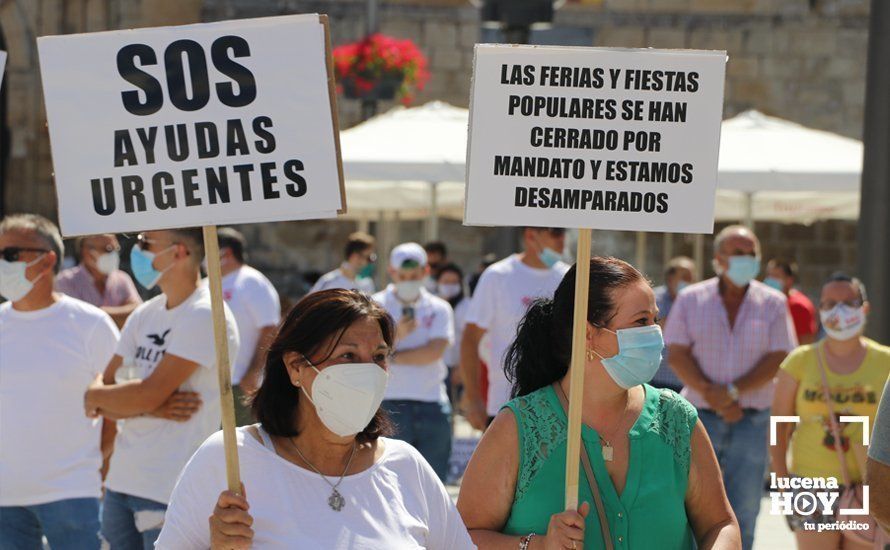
(407, 252)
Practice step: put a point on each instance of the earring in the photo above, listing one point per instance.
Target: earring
(590, 356)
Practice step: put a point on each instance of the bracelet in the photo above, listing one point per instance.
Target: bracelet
(524, 541)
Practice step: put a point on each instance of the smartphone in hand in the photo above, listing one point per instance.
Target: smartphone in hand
(408, 313)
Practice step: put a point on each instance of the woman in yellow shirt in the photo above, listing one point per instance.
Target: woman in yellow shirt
(856, 369)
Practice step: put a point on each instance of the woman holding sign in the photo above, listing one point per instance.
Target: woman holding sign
(655, 480)
(317, 469)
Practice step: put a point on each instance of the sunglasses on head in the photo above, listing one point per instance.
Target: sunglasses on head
(142, 239)
(144, 242)
(12, 253)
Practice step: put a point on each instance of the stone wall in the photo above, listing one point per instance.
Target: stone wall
(28, 185)
(802, 60)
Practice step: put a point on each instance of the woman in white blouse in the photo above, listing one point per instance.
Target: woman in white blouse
(317, 469)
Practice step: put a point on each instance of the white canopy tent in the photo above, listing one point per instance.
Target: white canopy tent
(775, 170)
(411, 161)
(426, 143)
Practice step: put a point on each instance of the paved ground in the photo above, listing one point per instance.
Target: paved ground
(772, 532)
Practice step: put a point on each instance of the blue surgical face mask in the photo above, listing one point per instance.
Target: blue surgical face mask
(549, 257)
(774, 283)
(681, 285)
(743, 269)
(638, 357)
(140, 263)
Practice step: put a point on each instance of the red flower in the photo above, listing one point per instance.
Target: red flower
(370, 60)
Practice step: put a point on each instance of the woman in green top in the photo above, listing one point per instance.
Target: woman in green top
(652, 460)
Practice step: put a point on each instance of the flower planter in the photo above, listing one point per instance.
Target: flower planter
(383, 89)
(380, 67)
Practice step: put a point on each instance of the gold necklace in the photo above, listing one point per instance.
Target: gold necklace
(608, 450)
(336, 500)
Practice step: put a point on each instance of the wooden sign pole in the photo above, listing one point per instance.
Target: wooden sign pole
(576, 368)
(220, 336)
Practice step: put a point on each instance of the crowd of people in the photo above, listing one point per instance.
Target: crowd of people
(110, 409)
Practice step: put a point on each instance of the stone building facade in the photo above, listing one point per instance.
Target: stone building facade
(802, 60)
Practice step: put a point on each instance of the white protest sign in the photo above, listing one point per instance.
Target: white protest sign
(197, 125)
(594, 138)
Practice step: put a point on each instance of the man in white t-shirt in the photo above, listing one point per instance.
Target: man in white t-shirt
(166, 352)
(357, 270)
(254, 303)
(51, 347)
(501, 298)
(415, 397)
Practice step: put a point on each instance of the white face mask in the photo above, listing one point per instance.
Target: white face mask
(108, 263)
(347, 396)
(843, 322)
(448, 291)
(409, 291)
(14, 284)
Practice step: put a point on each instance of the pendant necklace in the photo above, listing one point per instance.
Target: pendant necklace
(336, 500)
(608, 450)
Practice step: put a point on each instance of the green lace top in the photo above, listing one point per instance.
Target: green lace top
(649, 513)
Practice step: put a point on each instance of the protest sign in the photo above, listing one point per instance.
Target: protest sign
(199, 125)
(593, 138)
(206, 124)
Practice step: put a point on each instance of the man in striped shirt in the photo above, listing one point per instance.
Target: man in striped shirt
(726, 338)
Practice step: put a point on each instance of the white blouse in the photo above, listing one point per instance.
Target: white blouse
(397, 503)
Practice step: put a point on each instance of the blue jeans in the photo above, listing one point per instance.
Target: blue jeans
(131, 523)
(71, 524)
(741, 449)
(427, 427)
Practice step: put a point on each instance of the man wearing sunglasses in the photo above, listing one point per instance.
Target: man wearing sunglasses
(501, 298)
(97, 279)
(51, 347)
(166, 355)
(357, 270)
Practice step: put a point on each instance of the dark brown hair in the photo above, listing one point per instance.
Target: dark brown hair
(231, 238)
(357, 243)
(788, 267)
(541, 352)
(316, 319)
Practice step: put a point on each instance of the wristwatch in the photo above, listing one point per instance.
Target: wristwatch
(733, 391)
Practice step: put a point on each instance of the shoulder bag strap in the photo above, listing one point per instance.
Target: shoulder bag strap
(591, 479)
(835, 429)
